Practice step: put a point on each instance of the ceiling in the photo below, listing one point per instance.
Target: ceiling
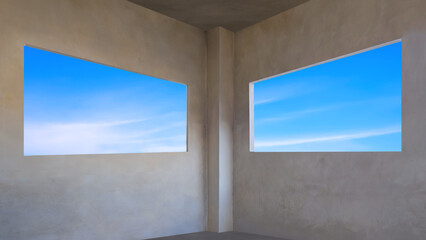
(231, 14)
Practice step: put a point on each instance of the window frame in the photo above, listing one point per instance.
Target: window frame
(107, 65)
(251, 94)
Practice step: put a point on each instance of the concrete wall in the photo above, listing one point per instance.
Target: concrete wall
(220, 85)
(134, 196)
(122, 196)
(333, 196)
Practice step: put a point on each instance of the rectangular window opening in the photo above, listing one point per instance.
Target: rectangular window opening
(74, 106)
(348, 104)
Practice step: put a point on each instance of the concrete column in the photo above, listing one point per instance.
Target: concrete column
(220, 78)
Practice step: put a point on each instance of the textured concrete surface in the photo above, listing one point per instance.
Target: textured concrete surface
(231, 14)
(333, 196)
(90, 197)
(218, 236)
(220, 119)
(298, 196)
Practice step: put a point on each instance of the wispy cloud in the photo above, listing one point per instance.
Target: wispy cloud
(100, 137)
(95, 124)
(338, 137)
(388, 101)
(282, 92)
(267, 100)
(297, 114)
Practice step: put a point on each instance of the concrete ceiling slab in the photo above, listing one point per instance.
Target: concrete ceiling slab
(231, 14)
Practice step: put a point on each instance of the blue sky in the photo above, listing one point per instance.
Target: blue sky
(350, 104)
(74, 106)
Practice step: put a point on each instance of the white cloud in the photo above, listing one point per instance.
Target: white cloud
(297, 114)
(98, 137)
(282, 92)
(365, 134)
(267, 100)
(392, 101)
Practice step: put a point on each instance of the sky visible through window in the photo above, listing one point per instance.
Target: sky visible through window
(350, 104)
(74, 106)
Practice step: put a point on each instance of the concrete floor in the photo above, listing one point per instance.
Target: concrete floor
(218, 236)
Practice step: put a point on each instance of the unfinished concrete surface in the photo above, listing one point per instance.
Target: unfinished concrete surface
(220, 119)
(87, 197)
(333, 196)
(218, 236)
(297, 196)
(231, 14)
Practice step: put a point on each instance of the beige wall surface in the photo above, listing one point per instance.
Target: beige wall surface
(114, 196)
(220, 94)
(333, 196)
